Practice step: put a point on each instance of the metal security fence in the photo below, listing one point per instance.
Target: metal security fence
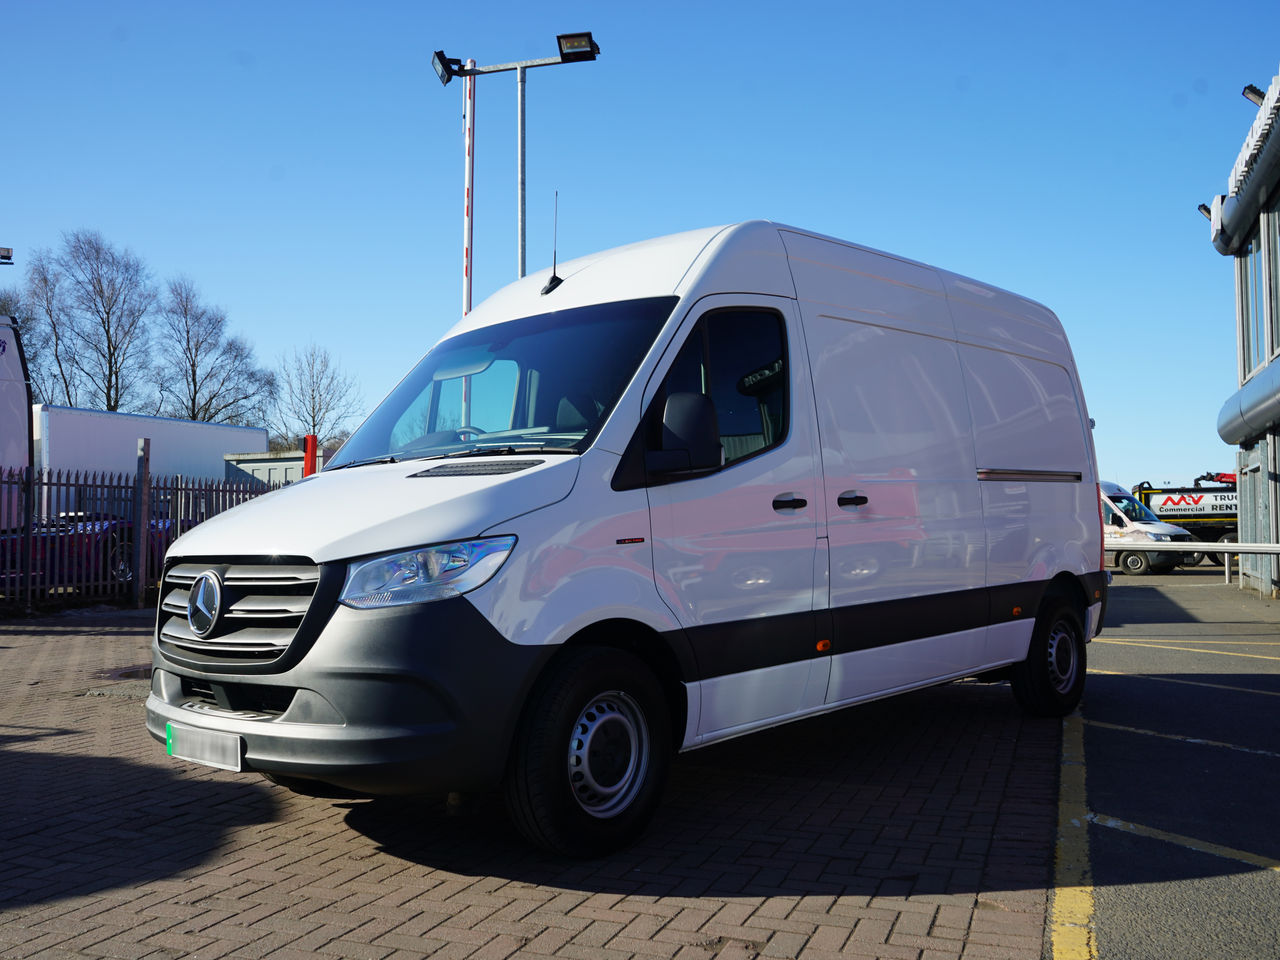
(70, 537)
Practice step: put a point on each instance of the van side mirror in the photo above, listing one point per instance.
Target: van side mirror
(690, 436)
(1117, 520)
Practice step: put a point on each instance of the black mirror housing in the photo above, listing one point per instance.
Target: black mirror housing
(690, 436)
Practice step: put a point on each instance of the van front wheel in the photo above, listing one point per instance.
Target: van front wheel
(592, 754)
(1050, 682)
(1136, 564)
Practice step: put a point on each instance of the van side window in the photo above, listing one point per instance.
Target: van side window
(738, 358)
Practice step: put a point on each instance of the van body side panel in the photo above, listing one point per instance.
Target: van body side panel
(991, 317)
(904, 516)
(865, 285)
(1034, 458)
(578, 562)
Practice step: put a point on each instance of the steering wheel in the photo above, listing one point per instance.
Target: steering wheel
(467, 428)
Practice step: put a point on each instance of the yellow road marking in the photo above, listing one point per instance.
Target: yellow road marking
(1192, 740)
(1189, 683)
(1155, 646)
(1191, 843)
(1071, 921)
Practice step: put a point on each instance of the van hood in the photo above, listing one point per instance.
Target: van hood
(1146, 527)
(380, 508)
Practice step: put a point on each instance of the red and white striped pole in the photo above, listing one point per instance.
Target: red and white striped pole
(469, 141)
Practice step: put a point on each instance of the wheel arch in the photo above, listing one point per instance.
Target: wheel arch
(663, 654)
(1067, 586)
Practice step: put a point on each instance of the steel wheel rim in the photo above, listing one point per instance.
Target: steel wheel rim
(1062, 657)
(608, 754)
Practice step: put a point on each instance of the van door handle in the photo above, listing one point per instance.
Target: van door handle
(851, 498)
(786, 501)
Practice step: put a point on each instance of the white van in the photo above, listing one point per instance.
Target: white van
(1127, 520)
(688, 489)
(15, 423)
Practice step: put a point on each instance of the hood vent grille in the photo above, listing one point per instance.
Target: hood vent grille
(484, 469)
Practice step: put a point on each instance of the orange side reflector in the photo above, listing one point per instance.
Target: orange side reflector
(824, 645)
(1017, 611)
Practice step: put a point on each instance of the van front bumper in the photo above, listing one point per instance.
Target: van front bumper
(414, 699)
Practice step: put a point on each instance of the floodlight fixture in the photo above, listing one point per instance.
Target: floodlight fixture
(446, 68)
(1250, 92)
(576, 46)
(6, 256)
(1208, 213)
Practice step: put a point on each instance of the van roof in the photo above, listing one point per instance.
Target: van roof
(752, 256)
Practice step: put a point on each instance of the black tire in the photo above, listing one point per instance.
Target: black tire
(1050, 682)
(592, 754)
(1135, 564)
(1219, 558)
(118, 561)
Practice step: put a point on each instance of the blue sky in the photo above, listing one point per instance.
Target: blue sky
(302, 164)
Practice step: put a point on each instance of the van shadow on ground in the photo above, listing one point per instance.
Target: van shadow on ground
(949, 790)
(75, 825)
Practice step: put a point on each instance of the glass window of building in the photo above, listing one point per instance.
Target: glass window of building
(1271, 227)
(1253, 332)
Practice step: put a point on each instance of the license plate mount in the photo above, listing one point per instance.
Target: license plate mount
(211, 748)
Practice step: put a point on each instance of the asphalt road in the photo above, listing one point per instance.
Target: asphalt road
(1181, 741)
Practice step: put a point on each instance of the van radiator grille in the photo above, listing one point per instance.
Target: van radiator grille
(261, 608)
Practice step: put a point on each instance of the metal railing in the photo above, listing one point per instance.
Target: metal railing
(1196, 546)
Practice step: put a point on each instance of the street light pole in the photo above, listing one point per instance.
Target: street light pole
(520, 171)
(468, 182)
(573, 48)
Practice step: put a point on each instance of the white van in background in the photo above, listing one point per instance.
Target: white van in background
(1127, 520)
(15, 422)
(687, 489)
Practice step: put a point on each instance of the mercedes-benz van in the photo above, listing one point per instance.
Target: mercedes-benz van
(1126, 520)
(685, 490)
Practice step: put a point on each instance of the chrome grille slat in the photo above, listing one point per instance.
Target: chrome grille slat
(263, 606)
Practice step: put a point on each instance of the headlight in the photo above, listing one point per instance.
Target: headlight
(429, 573)
(1160, 537)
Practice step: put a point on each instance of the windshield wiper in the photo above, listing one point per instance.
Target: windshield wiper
(385, 458)
(503, 451)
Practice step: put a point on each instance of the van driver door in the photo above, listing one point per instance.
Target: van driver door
(736, 548)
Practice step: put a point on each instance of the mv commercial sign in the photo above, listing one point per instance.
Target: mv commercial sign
(1196, 503)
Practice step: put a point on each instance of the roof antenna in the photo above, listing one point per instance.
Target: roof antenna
(555, 235)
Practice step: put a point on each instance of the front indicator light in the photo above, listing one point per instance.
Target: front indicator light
(425, 574)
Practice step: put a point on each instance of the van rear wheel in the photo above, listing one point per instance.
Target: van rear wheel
(592, 754)
(1050, 682)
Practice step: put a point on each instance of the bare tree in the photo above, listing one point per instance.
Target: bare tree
(315, 396)
(203, 373)
(49, 334)
(110, 295)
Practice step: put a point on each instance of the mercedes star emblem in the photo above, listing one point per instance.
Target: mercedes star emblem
(203, 603)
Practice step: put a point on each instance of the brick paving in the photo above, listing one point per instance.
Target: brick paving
(919, 828)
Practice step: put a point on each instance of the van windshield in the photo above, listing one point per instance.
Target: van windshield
(1132, 508)
(545, 382)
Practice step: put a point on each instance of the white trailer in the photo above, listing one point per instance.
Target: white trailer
(70, 438)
